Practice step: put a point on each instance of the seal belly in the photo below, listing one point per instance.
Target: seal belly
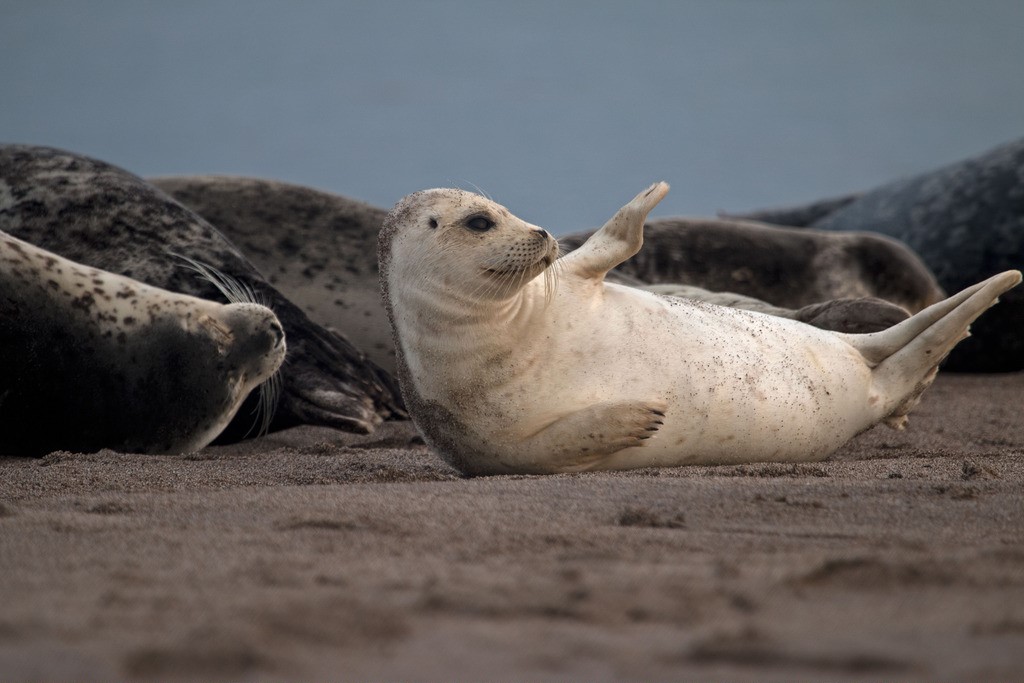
(740, 386)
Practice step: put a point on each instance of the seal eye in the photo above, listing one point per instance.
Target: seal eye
(433, 222)
(479, 223)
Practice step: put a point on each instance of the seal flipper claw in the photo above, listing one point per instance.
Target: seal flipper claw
(619, 239)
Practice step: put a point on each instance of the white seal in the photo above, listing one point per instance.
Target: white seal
(506, 368)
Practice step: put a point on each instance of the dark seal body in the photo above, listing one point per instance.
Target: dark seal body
(102, 216)
(315, 247)
(789, 268)
(95, 360)
(966, 222)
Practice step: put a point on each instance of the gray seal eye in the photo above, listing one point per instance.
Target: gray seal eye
(479, 223)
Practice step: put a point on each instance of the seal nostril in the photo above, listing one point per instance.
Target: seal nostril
(278, 333)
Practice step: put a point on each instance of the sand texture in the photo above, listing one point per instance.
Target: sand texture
(313, 554)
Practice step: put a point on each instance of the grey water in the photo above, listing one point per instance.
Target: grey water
(559, 110)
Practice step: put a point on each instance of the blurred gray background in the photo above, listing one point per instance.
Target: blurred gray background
(559, 110)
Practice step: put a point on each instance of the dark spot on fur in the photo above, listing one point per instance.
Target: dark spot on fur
(289, 245)
(84, 302)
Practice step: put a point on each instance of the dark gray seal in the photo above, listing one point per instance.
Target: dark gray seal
(102, 216)
(313, 246)
(966, 221)
(97, 360)
(788, 268)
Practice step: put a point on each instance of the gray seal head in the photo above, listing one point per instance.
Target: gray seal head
(96, 360)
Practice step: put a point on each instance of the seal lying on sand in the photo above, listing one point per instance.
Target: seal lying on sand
(102, 216)
(315, 247)
(511, 362)
(857, 315)
(96, 360)
(966, 221)
(789, 268)
(312, 246)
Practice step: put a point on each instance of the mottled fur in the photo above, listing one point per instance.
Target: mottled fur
(97, 360)
(102, 216)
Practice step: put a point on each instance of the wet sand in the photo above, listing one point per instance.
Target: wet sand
(312, 554)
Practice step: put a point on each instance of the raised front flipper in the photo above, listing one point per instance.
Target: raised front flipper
(580, 440)
(618, 240)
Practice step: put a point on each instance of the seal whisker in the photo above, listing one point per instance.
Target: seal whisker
(479, 190)
(551, 274)
(270, 394)
(234, 290)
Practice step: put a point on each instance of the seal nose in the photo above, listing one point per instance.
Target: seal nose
(277, 333)
(541, 232)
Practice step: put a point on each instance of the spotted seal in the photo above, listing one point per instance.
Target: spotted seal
(513, 361)
(966, 222)
(102, 216)
(97, 360)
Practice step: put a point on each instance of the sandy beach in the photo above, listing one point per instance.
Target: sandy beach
(314, 554)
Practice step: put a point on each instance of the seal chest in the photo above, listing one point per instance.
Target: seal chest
(511, 361)
(97, 360)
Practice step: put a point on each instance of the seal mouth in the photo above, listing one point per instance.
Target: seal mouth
(545, 261)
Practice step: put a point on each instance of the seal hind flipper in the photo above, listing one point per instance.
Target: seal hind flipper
(619, 239)
(906, 357)
(938, 327)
